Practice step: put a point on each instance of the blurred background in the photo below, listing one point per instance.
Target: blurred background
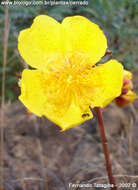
(37, 156)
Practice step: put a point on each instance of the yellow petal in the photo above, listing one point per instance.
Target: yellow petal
(41, 44)
(85, 37)
(32, 91)
(73, 117)
(35, 96)
(107, 82)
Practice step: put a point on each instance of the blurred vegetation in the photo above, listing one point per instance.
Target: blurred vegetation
(116, 17)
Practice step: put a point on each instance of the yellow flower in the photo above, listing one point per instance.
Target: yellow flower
(66, 81)
(127, 96)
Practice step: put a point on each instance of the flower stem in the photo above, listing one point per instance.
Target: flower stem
(105, 148)
(5, 46)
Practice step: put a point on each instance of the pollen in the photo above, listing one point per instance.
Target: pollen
(70, 83)
(69, 78)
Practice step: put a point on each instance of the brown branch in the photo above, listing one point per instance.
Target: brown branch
(6, 34)
(108, 52)
(105, 148)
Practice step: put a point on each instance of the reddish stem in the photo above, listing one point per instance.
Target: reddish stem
(105, 148)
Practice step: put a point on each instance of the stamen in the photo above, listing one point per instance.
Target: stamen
(72, 83)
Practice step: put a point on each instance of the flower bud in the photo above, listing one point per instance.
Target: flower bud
(127, 96)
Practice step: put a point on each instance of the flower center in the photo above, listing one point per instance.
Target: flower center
(69, 79)
(71, 83)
